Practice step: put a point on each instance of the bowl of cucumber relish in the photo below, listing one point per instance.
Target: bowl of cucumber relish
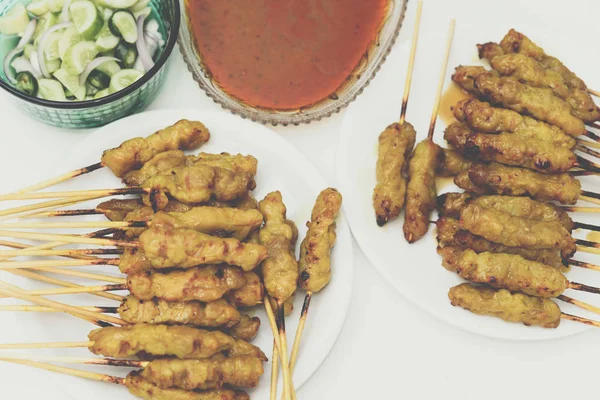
(85, 63)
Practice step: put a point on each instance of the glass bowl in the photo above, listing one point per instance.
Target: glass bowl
(344, 95)
(91, 113)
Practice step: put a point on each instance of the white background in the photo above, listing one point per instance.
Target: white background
(389, 348)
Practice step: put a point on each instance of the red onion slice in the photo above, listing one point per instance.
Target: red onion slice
(40, 50)
(95, 63)
(140, 44)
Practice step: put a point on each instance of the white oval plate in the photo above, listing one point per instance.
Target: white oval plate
(415, 270)
(281, 167)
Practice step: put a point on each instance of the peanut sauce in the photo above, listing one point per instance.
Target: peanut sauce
(283, 54)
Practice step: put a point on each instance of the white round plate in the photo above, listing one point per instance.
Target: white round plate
(281, 167)
(415, 270)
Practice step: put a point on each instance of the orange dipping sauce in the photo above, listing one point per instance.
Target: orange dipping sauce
(283, 54)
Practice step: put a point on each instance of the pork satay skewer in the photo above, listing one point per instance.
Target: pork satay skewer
(315, 255)
(279, 271)
(209, 374)
(509, 271)
(137, 385)
(133, 153)
(511, 307)
(395, 145)
(495, 178)
(222, 221)
(424, 161)
(155, 340)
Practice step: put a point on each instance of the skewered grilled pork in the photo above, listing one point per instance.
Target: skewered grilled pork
(183, 248)
(395, 145)
(204, 284)
(511, 307)
(514, 231)
(449, 233)
(280, 269)
(133, 153)
(315, 250)
(481, 116)
(212, 373)
(505, 271)
(510, 149)
(141, 388)
(421, 190)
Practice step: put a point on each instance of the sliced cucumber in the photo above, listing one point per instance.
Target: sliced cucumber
(50, 89)
(51, 52)
(122, 23)
(53, 65)
(101, 93)
(123, 78)
(107, 13)
(28, 49)
(14, 21)
(106, 41)
(56, 6)
(117, 4)
(127, 54)
(69, 37)
(109, 68)
(141, 4)
(78, 56)
(44, 23)
(38, 7)
(71, 82)
(86, 18)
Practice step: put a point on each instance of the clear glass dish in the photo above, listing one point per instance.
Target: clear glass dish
(344, 95)
(91, 113)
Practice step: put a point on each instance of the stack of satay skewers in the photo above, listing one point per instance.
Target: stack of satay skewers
(191, 247)
(514, 153)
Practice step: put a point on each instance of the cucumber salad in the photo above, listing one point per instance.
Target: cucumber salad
(76, 50)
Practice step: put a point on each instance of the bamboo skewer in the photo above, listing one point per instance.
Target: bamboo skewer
(80, 360)
(62, 253)
(274, 372)
(61, 178)
(283, 353)
(588, 151)
(82, 289)
(9, 290)
(588, 143)
(49, 345)
(585, 265)
(68, 371)
(75, 193)
(411, 62)
(53, 281)
(47, 204)
(42, 309)
(57, 263)
(67, 238)
(593, 92)
(300, 331)
(75, 225)
(579, 304)
(440, 87)
(582, 209)
(277, 339)
(41, 301)
(580, 319)
(86, 275)
(66, 213)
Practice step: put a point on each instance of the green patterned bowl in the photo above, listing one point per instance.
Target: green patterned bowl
(91, 113)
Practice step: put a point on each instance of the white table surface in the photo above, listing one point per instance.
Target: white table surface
(388, 348)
